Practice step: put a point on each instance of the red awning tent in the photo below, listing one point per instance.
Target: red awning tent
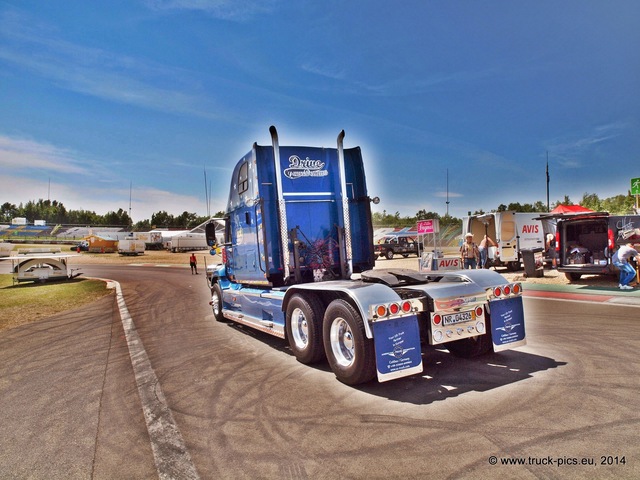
(570, 209)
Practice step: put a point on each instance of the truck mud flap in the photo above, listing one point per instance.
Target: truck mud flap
(397, 344)
(507, 323)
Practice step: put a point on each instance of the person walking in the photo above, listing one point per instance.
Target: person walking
(193, 263)
(469, 252)
(621, 260)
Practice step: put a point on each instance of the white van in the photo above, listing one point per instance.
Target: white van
(511, 231)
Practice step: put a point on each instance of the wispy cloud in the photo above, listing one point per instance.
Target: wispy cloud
(572, 151)
(23, 154)
(97, 72)
(234, 10)
(327, 71)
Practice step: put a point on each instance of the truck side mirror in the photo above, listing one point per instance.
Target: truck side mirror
(210, 234)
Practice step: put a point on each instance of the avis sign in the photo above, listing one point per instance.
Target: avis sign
(530, 229)
(448, 263)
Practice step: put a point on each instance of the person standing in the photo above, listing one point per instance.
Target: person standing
(551, 249)
(621, 260)
(483, 248)
(193, 263)
(469, 252)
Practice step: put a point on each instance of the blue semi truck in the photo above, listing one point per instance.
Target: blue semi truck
(298, 263)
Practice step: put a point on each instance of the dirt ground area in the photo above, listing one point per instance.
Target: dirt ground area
(156, 257)
(163, 257)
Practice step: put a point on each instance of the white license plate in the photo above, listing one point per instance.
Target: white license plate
(460, 317)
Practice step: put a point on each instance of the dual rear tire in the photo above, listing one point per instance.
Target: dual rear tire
(338, 335)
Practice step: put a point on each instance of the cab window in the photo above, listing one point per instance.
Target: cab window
(243, 178)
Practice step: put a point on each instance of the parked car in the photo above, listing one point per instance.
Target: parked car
(83, 245)
(390, 245)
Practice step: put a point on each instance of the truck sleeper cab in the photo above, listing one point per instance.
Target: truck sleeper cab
(297, 263)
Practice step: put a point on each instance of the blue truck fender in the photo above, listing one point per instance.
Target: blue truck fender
(218, 274)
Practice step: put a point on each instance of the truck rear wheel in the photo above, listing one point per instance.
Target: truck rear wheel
(216, 302)
(350, 353)
(304, 328)
(572, 276)
(389, 254)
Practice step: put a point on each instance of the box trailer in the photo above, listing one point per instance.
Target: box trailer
(131, 247)
(187, 241)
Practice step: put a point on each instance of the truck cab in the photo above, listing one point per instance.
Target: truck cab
(293, 218)
(297, 263)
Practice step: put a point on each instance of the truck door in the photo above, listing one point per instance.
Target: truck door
(245, 263)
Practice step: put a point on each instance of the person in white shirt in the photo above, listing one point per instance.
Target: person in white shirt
(621, 260)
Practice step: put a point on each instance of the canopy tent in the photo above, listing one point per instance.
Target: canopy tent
(570, 209)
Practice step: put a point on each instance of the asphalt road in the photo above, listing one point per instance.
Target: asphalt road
(71, 405)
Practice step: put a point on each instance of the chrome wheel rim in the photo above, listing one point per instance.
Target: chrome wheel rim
(342, 343)
(299, 329)
(215, 304)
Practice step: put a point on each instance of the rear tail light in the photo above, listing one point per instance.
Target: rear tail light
(557, 241)
(437, 319)
(394, 309)
(611, 242)
(479, 311)
(505, 290)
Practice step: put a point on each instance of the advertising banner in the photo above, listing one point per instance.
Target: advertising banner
(428, 226)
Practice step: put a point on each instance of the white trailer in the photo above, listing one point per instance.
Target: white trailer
(131, 247)
(187, 241)
(511, 231)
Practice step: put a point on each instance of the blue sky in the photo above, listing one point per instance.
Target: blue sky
(96, 97)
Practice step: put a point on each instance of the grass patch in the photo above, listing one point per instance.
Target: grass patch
(31, 301)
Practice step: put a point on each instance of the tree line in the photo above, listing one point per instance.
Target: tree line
(616, 205)
(55, 213)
